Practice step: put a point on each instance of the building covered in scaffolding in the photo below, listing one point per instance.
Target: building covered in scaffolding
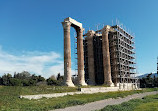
(109, 57)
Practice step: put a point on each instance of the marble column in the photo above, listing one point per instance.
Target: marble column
(67, 54)
(91, 69)
(80, 55)
(106, 56)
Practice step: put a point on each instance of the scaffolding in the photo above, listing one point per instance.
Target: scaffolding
(98, 59)
(86, 60)
(122, 57)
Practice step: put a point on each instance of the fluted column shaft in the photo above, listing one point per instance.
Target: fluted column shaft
(91, 70)
(80, 55)
(106, 56)
(67, 54)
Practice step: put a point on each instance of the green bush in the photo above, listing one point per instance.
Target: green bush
(54, 82)
(15, 82)
(21, 79)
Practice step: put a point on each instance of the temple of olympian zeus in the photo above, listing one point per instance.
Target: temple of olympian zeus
(104, 56)
(68, 22)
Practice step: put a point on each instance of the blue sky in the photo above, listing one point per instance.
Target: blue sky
(31, 34)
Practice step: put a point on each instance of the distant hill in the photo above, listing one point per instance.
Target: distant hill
(144, 75)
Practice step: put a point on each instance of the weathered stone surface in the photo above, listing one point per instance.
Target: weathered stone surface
(69, 19)
(68, 22)
(67, 54)
(106, 56)
(83, 91)
(91, 68)
(80, 55)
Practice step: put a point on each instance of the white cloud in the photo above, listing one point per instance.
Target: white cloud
(41, 63)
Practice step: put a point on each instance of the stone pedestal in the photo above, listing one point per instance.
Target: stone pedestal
(106, 56)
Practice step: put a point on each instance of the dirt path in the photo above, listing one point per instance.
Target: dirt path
(102, 103)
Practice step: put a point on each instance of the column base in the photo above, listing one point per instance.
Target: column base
(83, 83)
(116, 84)
(110, 84)
(69, 84)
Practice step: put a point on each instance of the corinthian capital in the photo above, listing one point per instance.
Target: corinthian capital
(106, 28)
(90, 33)
(66, 24)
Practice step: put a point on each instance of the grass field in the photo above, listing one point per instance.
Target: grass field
(148, 103)
(9, 99)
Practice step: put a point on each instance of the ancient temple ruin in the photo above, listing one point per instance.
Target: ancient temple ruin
(105, 56)
(69, 22)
